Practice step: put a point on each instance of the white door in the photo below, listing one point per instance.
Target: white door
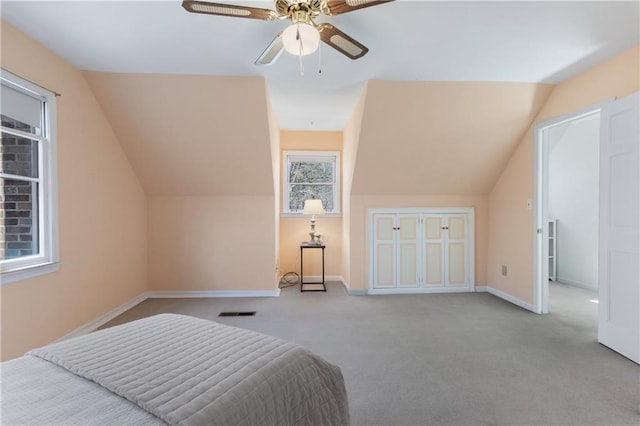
(456, 259)
(619, 278)
(395, 252)
(384, 247)
(433, 250)
(407, 253)
(445, 259)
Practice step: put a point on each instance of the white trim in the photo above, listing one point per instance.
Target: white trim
(575, 284)
(337, 197)
(353, 291)
(46, 227)
(212, 294)
(505, 296)
(339, 215)
(326, 278)
(419, 290)
(119, 310)
(470, 249)
(103, 319)
(28, 272)
(540, 191)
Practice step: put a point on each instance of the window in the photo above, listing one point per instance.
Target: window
(311, 175)
(28, 214)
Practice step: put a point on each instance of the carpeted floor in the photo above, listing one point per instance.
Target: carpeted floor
(447, 359)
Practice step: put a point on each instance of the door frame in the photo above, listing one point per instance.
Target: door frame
(541, 200)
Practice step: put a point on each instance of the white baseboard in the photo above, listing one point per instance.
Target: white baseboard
(326, 278)
(213, 293)
(419, 290)
(353, 291)
(103, 319)
(505, 296)
(575, 284)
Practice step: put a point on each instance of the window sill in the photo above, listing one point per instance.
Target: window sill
(308, 216)
(27, 272)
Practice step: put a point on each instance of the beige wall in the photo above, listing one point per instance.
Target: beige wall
(205, 243)
(206, 149)
(511, 223)
(191, 134)
(430, 144)
(441, 138)
(274, 137)
(295, 229)
(102, 213)
(350, 139)
(359, 238)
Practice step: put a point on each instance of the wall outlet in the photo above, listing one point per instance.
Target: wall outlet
(504, 270)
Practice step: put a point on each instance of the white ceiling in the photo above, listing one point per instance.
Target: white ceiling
(540, 41)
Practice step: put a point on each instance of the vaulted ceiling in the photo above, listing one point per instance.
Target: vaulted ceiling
(441, 137)
(501, 41)
(451, 86)
(191, 135)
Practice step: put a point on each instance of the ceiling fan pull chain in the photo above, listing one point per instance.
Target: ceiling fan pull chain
(301, 49)
(320, 59)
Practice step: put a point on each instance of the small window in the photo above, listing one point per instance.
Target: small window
(311, 175)
(28, 217)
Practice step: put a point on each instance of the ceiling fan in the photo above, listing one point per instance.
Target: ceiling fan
(303, 36)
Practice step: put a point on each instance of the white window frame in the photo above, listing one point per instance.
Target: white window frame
(289, 156)
(46, 260)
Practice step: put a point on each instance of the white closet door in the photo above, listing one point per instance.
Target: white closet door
(407, 250)
(433, 250)
(384, 251)
(619, 278)
(456, 250)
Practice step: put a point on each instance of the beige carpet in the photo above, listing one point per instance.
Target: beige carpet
(447, 359)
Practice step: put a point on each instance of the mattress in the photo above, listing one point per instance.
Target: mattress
(177, 370)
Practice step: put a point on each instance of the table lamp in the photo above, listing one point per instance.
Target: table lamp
(313, 207)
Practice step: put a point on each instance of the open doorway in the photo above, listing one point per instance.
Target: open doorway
(567, 204)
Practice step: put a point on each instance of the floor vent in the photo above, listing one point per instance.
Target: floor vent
(236, 314)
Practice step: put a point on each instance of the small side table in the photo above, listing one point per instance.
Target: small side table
(302, 282)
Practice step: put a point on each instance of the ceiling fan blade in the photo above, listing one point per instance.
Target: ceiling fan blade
(229, 10)
(336, 7)
(272, 52)
(341, 42)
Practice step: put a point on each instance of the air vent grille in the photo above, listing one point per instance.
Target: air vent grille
(237, 314)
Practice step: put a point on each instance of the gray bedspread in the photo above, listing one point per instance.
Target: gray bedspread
(189, 371)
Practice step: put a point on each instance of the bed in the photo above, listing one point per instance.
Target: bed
(173, 369)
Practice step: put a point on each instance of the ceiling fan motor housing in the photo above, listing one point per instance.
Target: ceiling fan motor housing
(299, 10)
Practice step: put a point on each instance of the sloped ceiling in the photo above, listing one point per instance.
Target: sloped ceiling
(417, 40)
(190, 135)
(454, 138)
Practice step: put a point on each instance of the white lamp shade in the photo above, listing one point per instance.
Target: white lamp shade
(305, 44)
(313, 207)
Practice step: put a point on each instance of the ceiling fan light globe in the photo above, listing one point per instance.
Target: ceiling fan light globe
(305, 45)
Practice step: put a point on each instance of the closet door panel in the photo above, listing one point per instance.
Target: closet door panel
(408, 265)
(384, 266)
(433, 263)
(408, 250)
(457, 268)
(384, 251)
(433, 228)
(456, 228)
